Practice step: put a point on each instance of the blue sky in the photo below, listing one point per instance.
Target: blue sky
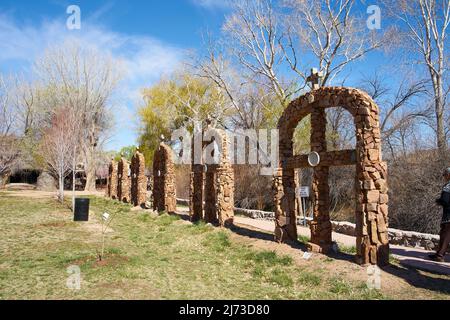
(152, 36)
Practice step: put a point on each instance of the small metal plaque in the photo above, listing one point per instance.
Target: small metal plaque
(313, 159)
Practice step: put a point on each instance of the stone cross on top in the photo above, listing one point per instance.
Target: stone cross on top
(315, 78)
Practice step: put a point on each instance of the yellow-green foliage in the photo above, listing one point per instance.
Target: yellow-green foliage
(175, 102)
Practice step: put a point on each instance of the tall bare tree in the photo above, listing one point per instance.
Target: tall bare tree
(9, 140)
(59, 144)
(273, 44)
(424, 26)
(84, 80)
(252, 33)
(330, 30)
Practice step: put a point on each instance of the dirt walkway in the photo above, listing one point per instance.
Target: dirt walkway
(26, 190)
(409, 257)
(396, 279)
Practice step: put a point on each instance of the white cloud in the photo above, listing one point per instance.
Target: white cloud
(145, 58)
(211, 4)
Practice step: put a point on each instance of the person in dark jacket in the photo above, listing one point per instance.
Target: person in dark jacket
(444, 201)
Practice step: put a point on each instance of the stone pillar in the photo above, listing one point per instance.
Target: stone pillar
(224, 184)
(210, 196)
(225, 194)
(124, 183)
(170, 198)
(196, 193)
(321, 228)
(371, 189)
(284, 194)
(164, 195)
(158, 187)
(112, 180)
(277, 193)
(138, 180)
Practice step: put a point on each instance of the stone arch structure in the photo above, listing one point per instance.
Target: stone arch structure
(138, 180)
(112, 180)
(371, 212)
(164, 193)
(212, 185)
(124, 186)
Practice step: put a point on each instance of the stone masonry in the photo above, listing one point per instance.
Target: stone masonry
(164, 194)
(224, 186)
(124, 183)
(112, 180)
(138, 180)
(371, 212)
(212, 185)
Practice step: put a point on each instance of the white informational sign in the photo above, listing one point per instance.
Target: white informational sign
(307, 255)
(303, 192)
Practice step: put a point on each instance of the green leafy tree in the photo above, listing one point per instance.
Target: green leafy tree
(126, 152)
(179, 100)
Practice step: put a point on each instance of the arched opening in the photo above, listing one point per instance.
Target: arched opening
(341, 135)
(212, 179)
(370, 190)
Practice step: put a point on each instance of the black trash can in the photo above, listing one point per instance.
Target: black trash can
(81, 209)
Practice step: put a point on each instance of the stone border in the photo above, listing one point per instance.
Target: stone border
(409, 239)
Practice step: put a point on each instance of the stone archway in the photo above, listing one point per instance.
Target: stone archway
(371, 212)
(112, 180)
(212, 185)
(164, 193)
(138, 180)
(123, 185)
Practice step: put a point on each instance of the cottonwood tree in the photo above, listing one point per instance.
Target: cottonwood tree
(179, 100)
(9, 140)
(252, 33)
(401, 106)
(331, 31)
(424, 25)
(273, 45)
(83, 80)
(267, 38)
(59, 145)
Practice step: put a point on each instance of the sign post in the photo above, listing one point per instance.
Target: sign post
(304, 194)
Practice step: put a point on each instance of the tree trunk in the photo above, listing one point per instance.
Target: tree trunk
(90, 169)
(73, 182)
(61, 188)
(439, 111)
(3, 180)
(90, 180)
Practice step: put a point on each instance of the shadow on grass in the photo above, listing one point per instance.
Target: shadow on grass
(409, 274)
(413, 276)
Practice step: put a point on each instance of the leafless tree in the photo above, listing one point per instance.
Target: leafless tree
(424, 25)
(59, 145)
(9, 140)
(263, 40)
(84, 80)
(252, 33)
(331, 31)
(8, 114)
(409, 97)
(9, 156)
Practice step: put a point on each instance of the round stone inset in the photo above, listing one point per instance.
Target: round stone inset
(313, 159)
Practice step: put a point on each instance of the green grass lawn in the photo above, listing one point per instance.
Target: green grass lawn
(148, 257)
